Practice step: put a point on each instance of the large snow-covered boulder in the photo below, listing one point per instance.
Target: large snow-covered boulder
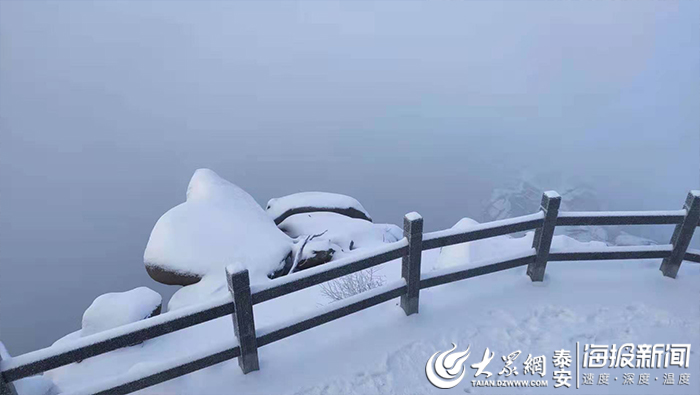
(306, 202)
(348, 233)
(120, 308)
(323, 236)
(218, 225)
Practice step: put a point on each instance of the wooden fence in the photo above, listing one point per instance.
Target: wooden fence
(243, 295)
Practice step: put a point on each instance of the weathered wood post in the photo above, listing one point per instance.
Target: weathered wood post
(6, 388)
(410, 264)
(243, 320)
(682, 235)
(543, 235)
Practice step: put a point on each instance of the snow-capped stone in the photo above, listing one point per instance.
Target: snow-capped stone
(306, 202)
(316, 252)
(218, 224)
(348, 233)
(120, 308)
(474, 251)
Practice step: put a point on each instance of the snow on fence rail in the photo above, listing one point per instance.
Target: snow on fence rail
(244, 295)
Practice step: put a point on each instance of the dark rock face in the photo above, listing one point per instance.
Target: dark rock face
(154, 313)
(284, 267)
(170, 277)
(318, 258)
(346, 211)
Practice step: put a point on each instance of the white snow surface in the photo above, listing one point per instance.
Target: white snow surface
(382, 351)
(278, 206)
(119, 308)
(218, 224)
(341, 230)
(626, 239)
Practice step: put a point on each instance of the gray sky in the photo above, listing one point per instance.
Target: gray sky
(107, 108)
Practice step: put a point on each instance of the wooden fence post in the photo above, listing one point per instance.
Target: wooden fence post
(682, 235)
(5, 387)
(243, 320)
(410, 264)
(543, 236)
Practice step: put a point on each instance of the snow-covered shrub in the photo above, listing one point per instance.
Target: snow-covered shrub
(348, 233)
(352, 284)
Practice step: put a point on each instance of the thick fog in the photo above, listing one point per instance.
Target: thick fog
(106, 110)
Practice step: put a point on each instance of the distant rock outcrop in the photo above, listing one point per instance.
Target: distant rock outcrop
(523, 195)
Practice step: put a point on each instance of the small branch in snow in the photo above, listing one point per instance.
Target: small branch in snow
(300, 252)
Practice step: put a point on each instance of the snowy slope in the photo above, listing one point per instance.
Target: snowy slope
(380, 350)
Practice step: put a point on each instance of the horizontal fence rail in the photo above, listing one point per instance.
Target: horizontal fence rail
(457, 273)
(693, 256)
(409, 249)
(332, 312)
(329, 271)
(639, 252)
(583, 218)
(53, 357)
(448, 237)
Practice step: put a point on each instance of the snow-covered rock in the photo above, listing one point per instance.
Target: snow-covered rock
(33, 385)
(324, 236)
(316, 251)
(305, 202)
(348, 233)
(120, 308)
(475, 251)
(219, 224)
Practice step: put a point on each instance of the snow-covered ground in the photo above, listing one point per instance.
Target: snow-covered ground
(380, 350)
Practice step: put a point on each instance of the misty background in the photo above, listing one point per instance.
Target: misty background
(106, 110)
